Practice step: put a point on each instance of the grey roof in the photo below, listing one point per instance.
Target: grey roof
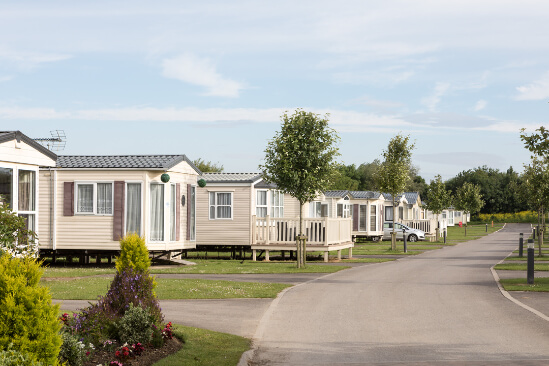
(335, 194)
(19, 136)
(411, 197)
(231, 177)
(146, 162)
(263, 184)
(365, 194)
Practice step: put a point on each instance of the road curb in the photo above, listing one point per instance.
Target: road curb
(507, 295)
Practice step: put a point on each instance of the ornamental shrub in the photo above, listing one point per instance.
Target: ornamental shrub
(15, 239)
(28, 320)
(72, 351)
(129, 288)
(135, 326)
(11, 357)
(133, 254)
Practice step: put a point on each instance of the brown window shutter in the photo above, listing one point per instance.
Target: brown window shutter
(355, 217)
(177, 212)
(118, 211)
(188, 203)
(68, 199)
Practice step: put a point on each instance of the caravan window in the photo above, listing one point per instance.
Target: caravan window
(94, 198)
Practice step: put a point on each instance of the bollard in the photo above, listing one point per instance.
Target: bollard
(530, 261)
(486, 227)
(404, 238)
(533, 233)
(444, 234)
(521, 245)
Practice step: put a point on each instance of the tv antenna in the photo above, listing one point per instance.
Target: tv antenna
(56, 142)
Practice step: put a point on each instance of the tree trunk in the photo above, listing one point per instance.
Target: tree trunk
(393, 235)
(437, 229)
(298, 241)
(540, 231)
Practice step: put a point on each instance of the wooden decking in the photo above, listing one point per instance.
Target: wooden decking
(323, 234)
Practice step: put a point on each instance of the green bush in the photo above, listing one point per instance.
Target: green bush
(133, 254)
(28, 320)
(135, 326)
(11, 357)
(72, 351)
(15, 239)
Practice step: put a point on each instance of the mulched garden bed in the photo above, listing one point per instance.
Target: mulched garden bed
(149, 356)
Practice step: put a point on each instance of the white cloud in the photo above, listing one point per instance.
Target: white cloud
(30, 60)
(202, 72)
(481, 104)
(536, 90)
(432, 101)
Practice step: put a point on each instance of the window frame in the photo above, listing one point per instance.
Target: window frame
(280, 205)
(258, 206)
(215, 205)
(95, 197)
(373, 218)
(141, 201)
(192, 202)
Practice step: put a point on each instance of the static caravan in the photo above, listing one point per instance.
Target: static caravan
(229, 202)
(364, 207)
(20, 159)
(240, 209)
(88, 202)
(400, 202)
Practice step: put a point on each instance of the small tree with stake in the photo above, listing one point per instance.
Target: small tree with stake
(469, 200)
(394, 173)
(438, 198)
(300, 160)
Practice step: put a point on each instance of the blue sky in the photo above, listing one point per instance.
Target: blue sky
(210, 79)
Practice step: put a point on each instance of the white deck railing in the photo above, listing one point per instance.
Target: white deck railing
(429, 225)
(321, 231)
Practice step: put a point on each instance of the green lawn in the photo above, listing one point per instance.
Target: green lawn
(206, 348)
(522, 266)
(519, 284)
(166, 289)
(456, 234)
(203, 266)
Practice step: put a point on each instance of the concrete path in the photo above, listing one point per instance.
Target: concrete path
(439, 308)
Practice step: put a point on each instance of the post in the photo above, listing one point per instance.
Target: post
(300, 243)
(254, 255)
(267, 229)
(486, 227)
(533, 233)
(350, 252)
(404, 239)
(521, 245)
(530, 266)
(267, 258)
(444, 233)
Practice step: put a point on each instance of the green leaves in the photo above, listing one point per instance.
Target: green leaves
(300, 159)
(393, 174)
(468, 198)
(438, 198)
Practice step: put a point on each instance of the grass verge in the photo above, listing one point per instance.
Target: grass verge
(519, 284)
(206, 348)
(166, 289)
(522, 267)
(203, 266)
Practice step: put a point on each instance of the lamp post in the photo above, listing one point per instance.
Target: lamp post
(521, 245)
(530, 261)
(404, 238)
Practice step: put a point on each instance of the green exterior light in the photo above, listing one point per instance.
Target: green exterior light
(165, 178)
(202, 183)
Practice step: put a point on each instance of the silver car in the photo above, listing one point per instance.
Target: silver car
(400, 229)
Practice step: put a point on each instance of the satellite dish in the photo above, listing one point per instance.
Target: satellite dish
(56, 142)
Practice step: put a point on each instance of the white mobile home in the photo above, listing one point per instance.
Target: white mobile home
(240, 209)
(20, 159)
(90, 202)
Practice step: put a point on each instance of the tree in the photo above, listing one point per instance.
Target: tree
(394, 172)
(537, 176)
(437, 198)
(469, 200)
(208, 166)
(536, 192)
(300, 160)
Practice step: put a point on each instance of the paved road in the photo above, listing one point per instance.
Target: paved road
(439, 308)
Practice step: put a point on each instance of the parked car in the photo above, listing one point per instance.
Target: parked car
(400, 229)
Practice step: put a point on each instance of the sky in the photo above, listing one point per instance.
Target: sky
(210, 79)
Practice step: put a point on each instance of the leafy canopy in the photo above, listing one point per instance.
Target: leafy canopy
(438, 198)
(394, 173)
(300, 159)
(468, 198)
(208, 166)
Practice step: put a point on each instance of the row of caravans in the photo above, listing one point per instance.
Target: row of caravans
(86, 203)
